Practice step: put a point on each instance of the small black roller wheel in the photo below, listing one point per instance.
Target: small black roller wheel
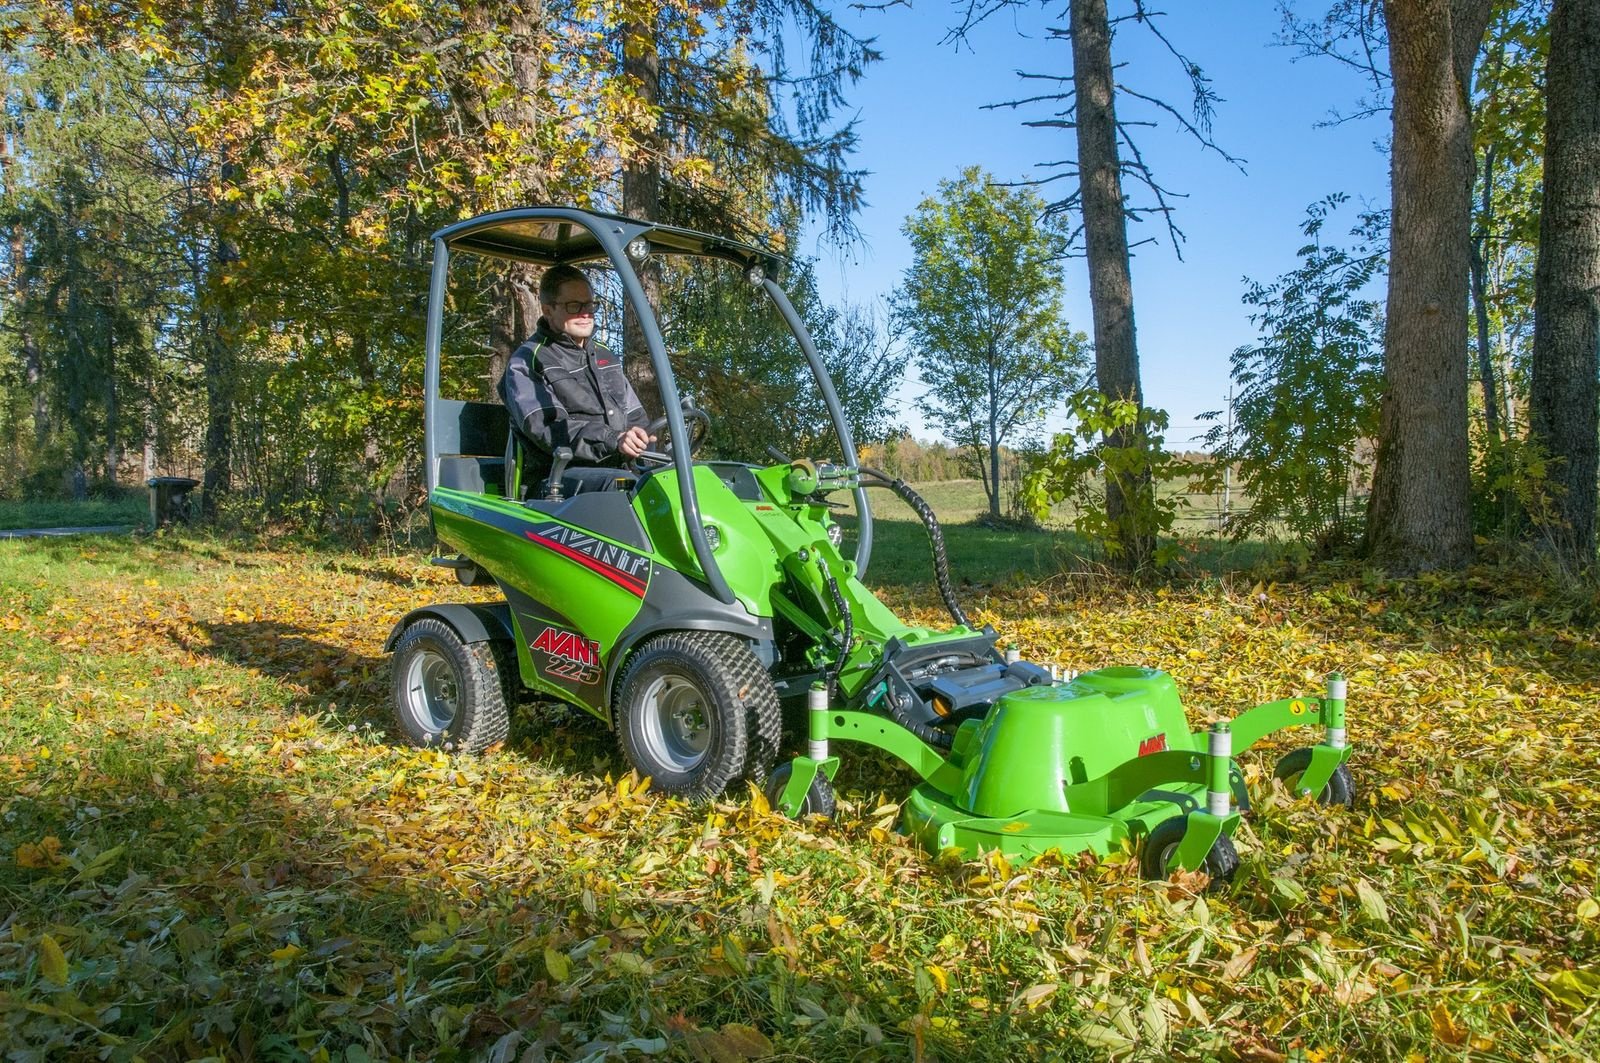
(1220, 863)
(819, 796)
(1340, 790)
(450, 694)
(695, 711)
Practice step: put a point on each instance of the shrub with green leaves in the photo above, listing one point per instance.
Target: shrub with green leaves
(1078, 458)
(1308, 389)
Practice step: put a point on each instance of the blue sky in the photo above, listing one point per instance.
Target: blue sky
(921, 119)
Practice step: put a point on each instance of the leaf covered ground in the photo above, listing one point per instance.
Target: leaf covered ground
(210, 847)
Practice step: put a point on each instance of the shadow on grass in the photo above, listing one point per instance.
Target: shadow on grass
(204, 906)
(350, 686)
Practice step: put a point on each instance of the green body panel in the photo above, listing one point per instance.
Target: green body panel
(747, 562)
(493, 532)
(1053, 747)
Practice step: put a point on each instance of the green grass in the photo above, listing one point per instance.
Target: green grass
(985, 555)
(209, 847)
(133, 510)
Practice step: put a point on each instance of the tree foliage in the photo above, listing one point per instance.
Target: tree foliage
(1115, 448)
(981, 304)
(1308, 388)
(217, 211)
(737, 357)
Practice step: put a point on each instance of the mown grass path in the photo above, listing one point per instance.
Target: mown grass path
(208, 846)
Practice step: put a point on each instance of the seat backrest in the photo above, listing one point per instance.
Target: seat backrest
(471, 428)
(471, 439)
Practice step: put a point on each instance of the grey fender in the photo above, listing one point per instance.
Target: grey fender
(475, 622)
(739, 624)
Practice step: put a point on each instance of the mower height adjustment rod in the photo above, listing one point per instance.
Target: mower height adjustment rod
(817, 702)
(1333, 719)
(1220, 746)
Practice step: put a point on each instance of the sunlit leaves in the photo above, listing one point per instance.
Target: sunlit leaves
(209, 707)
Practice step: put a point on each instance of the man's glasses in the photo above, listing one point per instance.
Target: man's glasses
(575, 307)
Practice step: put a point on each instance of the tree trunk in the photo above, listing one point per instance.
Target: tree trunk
(516, 313)
(641, 198)
(1419, 516)
(1110, 279)
(113, 411)
(217, 358)
(1566, 306)
(519, 30)
(994, 437)
(32, 361)
(1480, 304)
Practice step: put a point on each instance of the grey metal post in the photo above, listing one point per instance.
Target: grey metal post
(614, 239)
(831, 399)
(430, 372)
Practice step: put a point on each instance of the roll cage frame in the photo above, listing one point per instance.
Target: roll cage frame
(547, 236)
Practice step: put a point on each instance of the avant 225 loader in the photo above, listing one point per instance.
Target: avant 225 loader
(695, 605)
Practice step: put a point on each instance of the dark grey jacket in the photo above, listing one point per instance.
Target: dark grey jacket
(563, 395)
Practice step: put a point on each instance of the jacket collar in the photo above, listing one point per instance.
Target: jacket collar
(543, 333)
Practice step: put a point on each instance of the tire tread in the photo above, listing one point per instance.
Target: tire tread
(486, 671)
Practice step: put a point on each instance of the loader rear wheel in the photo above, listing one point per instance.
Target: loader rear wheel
(695, 711)
(819, 800)
(448, 693)
(1340, 789)
(1220, 863)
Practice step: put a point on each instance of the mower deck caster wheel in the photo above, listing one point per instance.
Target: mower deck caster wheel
(1220, 863)
(450, 694)
(1340, 790)
(819, 796)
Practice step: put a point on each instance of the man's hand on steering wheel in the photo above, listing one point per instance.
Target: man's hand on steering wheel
(696, 423)
(634, 441)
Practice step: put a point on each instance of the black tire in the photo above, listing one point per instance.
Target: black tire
(1221, 863)
(819, 800)
(448, 693)
(1341, 787)
(695, 711)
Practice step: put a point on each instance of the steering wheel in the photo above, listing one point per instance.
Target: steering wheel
(698, 425)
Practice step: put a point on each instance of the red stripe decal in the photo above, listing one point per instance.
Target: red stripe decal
(620, 578)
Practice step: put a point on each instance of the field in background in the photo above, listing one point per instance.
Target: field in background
(133, 511)
(981, 554)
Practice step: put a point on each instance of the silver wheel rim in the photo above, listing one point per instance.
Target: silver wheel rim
(675, 725)
(432, 696)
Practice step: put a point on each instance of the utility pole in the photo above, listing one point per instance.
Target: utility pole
(1227, 470)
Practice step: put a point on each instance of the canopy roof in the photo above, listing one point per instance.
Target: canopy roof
(548, 235)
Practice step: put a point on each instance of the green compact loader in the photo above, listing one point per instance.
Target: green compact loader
(698, 606)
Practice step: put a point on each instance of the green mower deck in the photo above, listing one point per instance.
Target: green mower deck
(1048, 768)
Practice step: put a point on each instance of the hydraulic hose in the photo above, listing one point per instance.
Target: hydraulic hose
(847, 622)
(941, 563)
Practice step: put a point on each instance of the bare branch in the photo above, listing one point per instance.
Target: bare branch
(1203, 137)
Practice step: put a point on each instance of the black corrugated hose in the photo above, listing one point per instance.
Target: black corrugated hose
(941, 564)
(847, 636)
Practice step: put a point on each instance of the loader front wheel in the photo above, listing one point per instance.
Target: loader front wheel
(1340, 789)
(447, 693)
(1156, 853)
(694, 711)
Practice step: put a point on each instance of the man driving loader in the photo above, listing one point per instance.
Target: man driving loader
(563, 388)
